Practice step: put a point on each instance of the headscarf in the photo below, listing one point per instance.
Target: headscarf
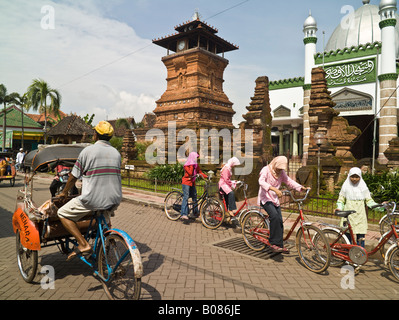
(192, 159)
(231, 163)
(358, 191)
(280, 162)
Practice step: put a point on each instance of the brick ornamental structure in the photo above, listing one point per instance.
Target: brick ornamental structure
(194, 98)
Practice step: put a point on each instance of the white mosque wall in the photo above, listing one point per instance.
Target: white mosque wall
(291, 98)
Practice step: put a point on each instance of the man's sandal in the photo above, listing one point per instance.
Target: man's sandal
(76, 252)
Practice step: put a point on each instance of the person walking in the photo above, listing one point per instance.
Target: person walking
(19, 160)
(270, 179)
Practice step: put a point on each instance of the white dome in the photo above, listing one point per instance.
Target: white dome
(310, 22)
(363, 28)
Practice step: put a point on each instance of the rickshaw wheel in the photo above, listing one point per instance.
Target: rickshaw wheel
(12, 182)
(121, 284)
(27, 261)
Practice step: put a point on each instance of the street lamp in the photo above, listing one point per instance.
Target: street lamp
(319, 137)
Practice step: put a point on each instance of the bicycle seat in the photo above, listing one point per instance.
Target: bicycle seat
(344, 214)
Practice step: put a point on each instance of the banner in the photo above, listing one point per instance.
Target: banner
(351, 73)
(9, 135)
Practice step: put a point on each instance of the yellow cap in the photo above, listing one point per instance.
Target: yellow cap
(104, 128)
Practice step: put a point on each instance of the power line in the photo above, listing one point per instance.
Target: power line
(235, 6)
(138, 50)
(105, 65)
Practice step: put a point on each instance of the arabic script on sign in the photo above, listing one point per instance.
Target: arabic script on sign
(350, 73)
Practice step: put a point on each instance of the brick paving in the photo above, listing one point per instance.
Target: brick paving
(181, 263)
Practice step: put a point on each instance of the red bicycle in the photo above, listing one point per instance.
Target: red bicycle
(315, 255)
(213, 219)
(345, 250)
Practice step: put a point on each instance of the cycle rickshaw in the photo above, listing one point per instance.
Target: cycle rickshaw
(115, 260)
(11, 175)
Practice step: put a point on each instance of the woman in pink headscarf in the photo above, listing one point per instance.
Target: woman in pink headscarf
(191, 169)
(226, 185)
(270, 179)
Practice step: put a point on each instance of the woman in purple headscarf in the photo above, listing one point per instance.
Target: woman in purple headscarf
(191, 169)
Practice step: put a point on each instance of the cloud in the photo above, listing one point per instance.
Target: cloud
(98, 64)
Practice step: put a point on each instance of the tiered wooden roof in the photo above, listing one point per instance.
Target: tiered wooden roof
(199, 34)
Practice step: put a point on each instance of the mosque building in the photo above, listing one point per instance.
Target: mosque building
(361, 64)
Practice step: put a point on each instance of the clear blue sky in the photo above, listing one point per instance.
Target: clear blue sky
(100, 56)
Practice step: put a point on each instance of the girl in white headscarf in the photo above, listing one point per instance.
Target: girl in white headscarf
(354, 195)
(226, 185)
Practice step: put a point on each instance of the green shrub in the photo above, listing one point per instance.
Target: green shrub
(167, 173)
(383, 186)
(141, 148)
(116, 142)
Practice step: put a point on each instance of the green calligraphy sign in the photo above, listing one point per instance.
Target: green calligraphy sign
(351, 73)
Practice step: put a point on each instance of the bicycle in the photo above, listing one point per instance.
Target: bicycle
(205, 203)
(345, 250)
(315, 256)
(213, 219)
(385, 224)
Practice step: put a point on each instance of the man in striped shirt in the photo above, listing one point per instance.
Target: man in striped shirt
(99, 168)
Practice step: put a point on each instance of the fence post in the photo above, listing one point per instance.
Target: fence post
(155, 185)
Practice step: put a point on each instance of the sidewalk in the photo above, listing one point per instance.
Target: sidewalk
(156, 200)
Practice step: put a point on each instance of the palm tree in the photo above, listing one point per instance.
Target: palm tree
(39, 92)
(5, 99)
(23, 102)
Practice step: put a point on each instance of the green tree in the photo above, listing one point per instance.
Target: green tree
(23, 103)
(123, 122)
(5, 99)
(39, 92)
(88, 119)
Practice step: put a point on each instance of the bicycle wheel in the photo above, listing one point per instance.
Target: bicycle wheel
(393, 262)
(255, 224)
(315, 255)
(331, 236)
(385, 225)
(119, 283)
(172, 205)
(212, 213)
(27, 260)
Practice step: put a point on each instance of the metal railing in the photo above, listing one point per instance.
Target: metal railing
(155, 185)
(324, 206)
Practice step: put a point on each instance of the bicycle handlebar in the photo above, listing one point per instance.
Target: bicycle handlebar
(386, 205)
(288, 192)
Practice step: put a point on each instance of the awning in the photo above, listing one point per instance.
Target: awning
(29, 135)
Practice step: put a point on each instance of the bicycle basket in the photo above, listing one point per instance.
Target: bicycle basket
(213, 188)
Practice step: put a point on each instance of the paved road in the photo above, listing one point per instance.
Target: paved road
(183, 262)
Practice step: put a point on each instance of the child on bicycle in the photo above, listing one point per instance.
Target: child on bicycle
(354, 195)
(270, 179)
(191, 169)
(226, 186)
